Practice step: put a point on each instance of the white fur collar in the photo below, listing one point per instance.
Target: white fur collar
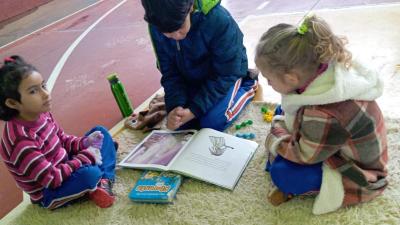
(336, 84)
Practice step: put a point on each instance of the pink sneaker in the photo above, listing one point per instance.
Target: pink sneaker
(103, 196)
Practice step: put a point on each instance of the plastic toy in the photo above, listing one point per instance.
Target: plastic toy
(264, 110)
(243, 124)
(278, 110)
(246, 135)
(268, 117)
(268, 114)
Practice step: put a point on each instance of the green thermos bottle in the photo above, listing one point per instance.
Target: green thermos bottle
(120, 95)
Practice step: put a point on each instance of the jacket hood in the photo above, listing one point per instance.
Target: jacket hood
(205, 5)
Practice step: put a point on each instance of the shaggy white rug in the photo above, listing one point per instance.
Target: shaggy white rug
(201, 203)
(372, 30)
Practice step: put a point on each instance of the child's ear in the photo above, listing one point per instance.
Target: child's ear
(292, 79)
(12, 103)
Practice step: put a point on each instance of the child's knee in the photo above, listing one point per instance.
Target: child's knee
(102, 129)
(281, 173)
(295, 179)
(277, 171)
(88, 175)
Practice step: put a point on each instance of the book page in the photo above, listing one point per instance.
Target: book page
(215, 157)
(158, 150)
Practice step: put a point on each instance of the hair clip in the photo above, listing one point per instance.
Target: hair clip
(302, 29)
(9, 59)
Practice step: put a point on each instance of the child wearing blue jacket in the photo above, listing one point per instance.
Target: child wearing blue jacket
(203, 62)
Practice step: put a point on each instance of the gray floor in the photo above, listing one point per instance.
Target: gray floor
(58, 9)
(40, 17)
(240, 9)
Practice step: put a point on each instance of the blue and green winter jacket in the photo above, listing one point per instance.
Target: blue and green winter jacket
(198, 71)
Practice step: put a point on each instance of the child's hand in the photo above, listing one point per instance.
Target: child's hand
(186, 115)
(269, 142)
(96, 154)
(274, 138)
(94, 139)
(178, 116)
(278, 121)
(174, 118)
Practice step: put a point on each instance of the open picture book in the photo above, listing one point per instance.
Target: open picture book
(207, 155)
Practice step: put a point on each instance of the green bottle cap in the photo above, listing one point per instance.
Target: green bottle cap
(113, 78)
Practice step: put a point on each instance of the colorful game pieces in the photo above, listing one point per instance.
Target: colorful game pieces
(268, 114)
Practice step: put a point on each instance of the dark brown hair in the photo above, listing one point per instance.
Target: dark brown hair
(13, 71)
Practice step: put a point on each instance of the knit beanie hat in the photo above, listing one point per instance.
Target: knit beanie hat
(167, 15)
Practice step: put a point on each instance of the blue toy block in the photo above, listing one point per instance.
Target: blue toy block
(278, 110)
(252, 135)
(245, 135)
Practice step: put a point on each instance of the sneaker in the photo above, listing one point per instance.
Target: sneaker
(103, 196)
(277, 197)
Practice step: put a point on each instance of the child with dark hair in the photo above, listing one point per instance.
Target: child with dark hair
(203, 62)
(331, 140)
(52, 167)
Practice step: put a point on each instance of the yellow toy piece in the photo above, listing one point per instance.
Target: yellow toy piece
(268, 116)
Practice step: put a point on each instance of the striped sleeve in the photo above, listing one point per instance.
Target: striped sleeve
(28, 162)
(316, 137)
(71, 143)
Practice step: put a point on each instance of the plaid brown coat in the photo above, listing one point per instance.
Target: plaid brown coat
(349, 136)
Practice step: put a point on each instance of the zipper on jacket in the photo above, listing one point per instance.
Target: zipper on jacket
(181, 61)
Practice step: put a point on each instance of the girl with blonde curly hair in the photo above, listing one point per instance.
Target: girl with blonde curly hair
(331, 140)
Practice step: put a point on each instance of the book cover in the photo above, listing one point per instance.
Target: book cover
(156, 187)
(208, 155)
